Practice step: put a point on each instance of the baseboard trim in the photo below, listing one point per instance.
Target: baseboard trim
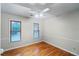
(22, 46)
(42, 41)
(61, 48)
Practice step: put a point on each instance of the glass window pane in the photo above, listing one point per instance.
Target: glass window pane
(15, 36)
(36, 26)
(15, 26)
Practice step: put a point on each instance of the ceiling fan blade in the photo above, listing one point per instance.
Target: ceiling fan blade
(45, 10)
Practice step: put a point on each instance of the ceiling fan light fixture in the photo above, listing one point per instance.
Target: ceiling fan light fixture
(36, 16)
(41, 15)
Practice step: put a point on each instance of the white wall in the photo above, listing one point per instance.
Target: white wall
(0, 25)
(63, 32)
(26, 34)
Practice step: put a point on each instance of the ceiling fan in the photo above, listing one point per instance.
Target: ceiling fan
(38, 13)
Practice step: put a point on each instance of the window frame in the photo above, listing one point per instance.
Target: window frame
(34, 30)
(17, 31)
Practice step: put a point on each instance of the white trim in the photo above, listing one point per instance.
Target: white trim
(22, 46)
(61, 48)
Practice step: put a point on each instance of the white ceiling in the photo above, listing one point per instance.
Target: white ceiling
(23, 9)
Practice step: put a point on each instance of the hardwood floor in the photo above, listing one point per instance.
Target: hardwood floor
(37, 49)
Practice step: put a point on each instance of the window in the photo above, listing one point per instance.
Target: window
(15, 31)
(36, 31)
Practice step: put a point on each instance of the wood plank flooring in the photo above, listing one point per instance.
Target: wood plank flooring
(37, 49)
